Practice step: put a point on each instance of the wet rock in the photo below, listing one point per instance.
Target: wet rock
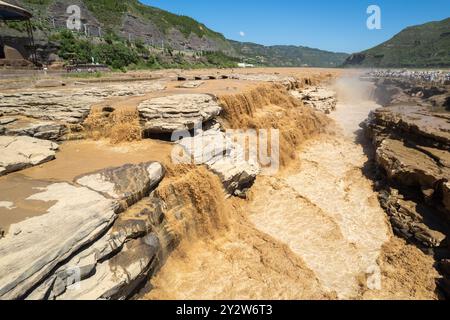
(77, 217)
(17, 153)
(222, 156)
(128, 183)
(177, 112)
(318, 98)
(47, 130)
(98, 248)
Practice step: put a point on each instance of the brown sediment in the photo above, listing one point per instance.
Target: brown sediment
(407, 273)
(272, 107)
(15, 189)
(79, 157)
(221, 254)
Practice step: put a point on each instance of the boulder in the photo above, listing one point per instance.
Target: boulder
(177, 112)
(222, 156)
(17, 153)
(87, 245)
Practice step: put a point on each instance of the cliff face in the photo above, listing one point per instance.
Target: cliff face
(129, 19)
(412, 142)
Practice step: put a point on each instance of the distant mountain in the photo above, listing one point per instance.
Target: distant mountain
(426, 45)
(288, 56)
(133, 20)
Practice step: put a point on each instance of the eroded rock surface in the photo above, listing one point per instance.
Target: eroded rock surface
(191, 84)
(413, 152)
(17, 153)
(85, 246)
(61, 107)
(289, 82)
(34, 247)
(223, 157)
(128, 183)
(48, 130)
(177, 112)
(318, 98)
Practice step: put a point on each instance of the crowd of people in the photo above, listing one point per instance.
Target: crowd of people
(433, 76)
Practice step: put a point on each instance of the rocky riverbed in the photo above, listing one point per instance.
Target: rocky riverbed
(412, 142)
(93, 204)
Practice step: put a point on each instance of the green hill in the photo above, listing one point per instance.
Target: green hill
(422, 46)
(133, 21)
(129, 19)
(288, 56)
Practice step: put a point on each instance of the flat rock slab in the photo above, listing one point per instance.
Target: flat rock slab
(75, 247)
(128, 183)
(288, 82)
(34, 247)
(17, 153)
(177, 112)
(47, 130)
(417, 123)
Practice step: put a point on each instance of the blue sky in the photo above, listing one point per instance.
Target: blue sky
(335, 25)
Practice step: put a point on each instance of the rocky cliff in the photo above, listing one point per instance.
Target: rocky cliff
(412, 144)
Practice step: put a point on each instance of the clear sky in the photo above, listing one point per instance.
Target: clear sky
(335, 25)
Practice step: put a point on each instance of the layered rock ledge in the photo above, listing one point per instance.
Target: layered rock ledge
(17, 153)
(177, 112)
(412, 146)
(318, 98)
(85, 245)
(222, 156)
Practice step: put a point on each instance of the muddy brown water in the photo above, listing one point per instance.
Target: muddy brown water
(324, 215)
(314, 231)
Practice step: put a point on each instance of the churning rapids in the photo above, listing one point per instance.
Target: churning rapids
(314, 231)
